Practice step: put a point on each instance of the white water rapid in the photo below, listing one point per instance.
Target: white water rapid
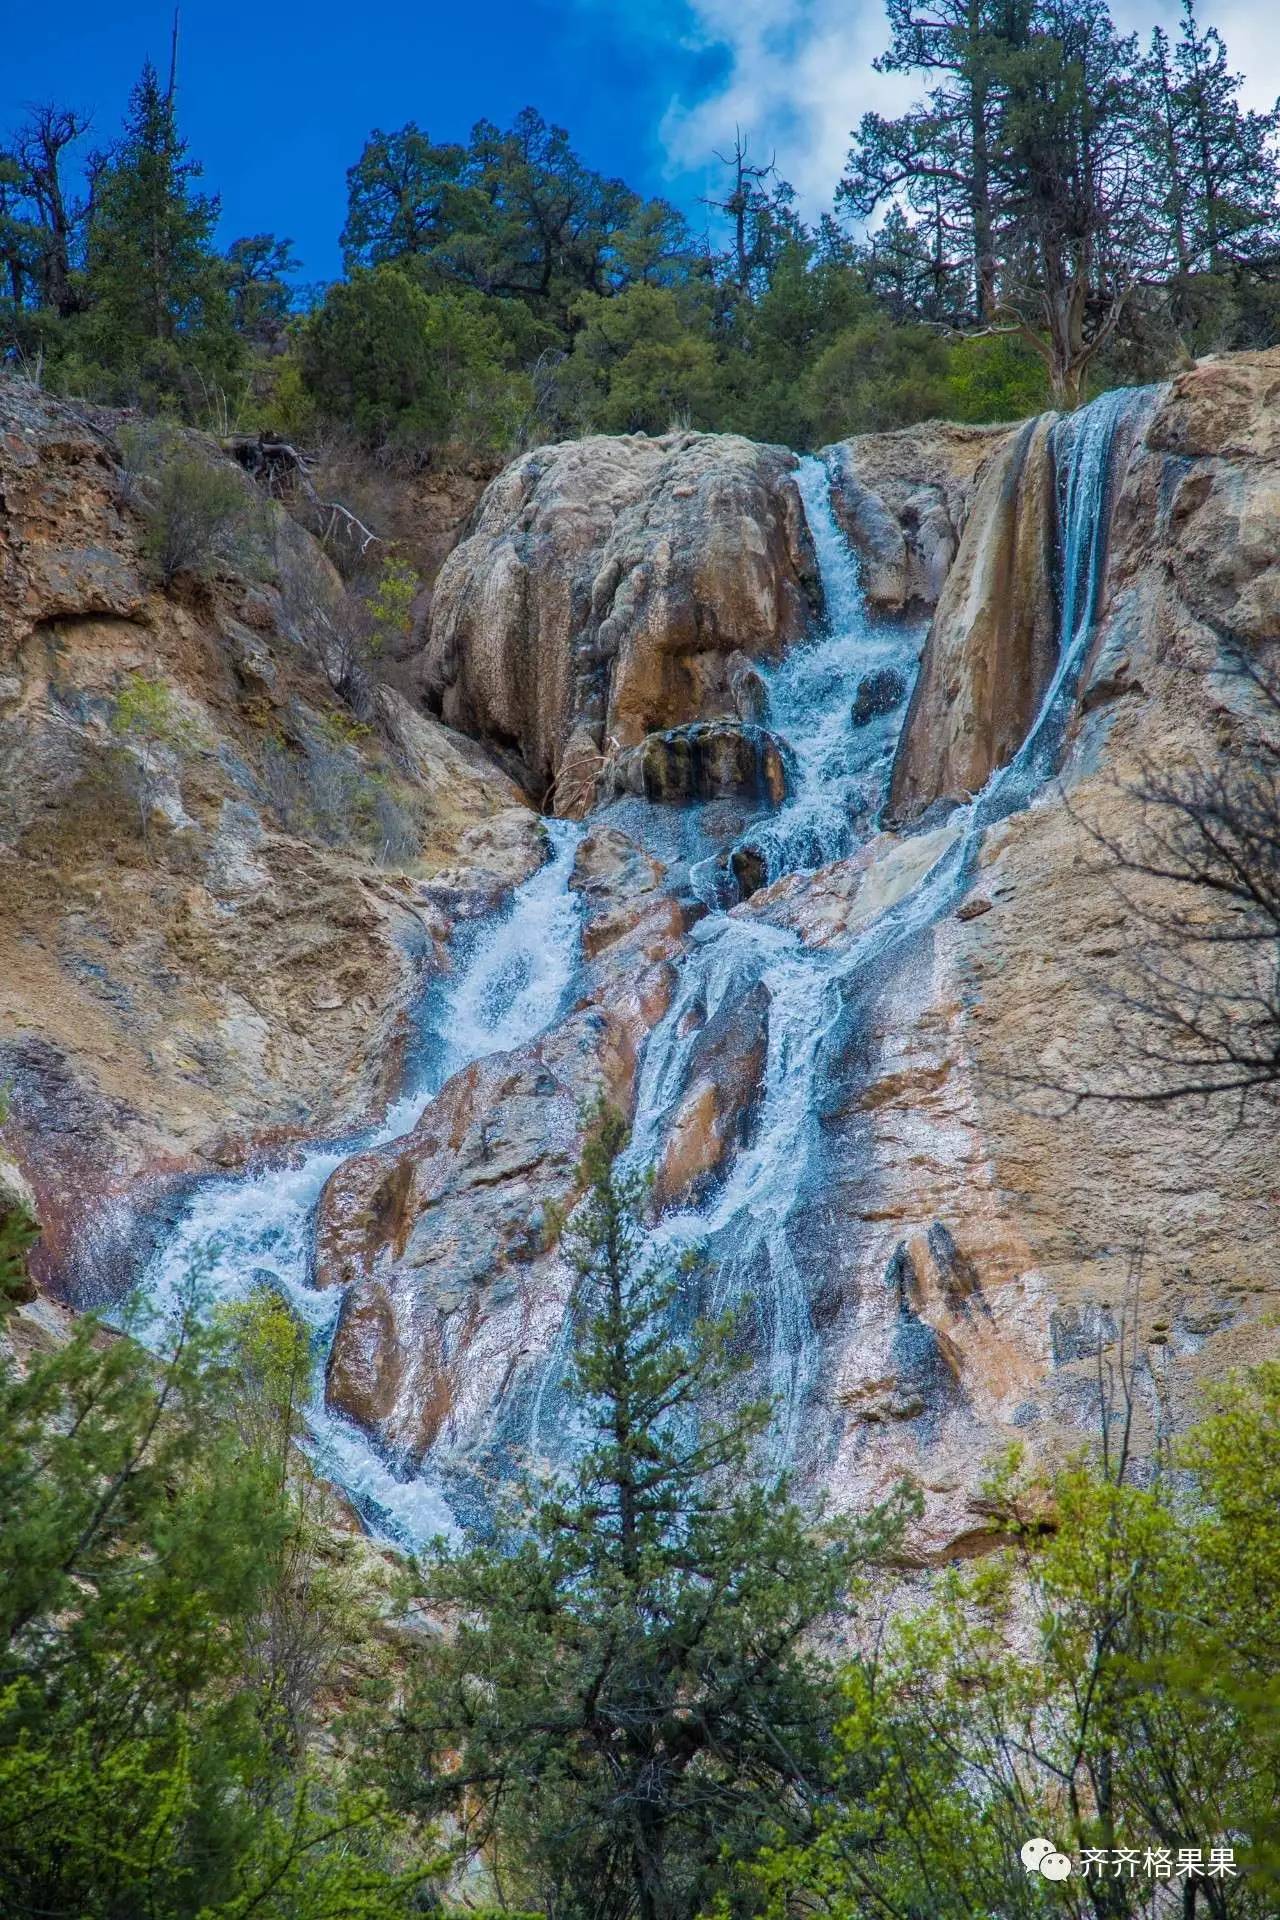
(236, 1233)
(243, 1232)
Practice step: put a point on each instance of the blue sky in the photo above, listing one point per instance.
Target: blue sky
(276, 97)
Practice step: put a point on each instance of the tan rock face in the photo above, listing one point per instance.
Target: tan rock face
(902, 500)
(992, 645)
(715, 1114)
(203, 943)
(610, 589)
(962, 1245)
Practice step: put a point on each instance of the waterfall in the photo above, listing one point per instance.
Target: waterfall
(514, 977)
(238, 1233)
(839, 771)
(1083, 446)
(750, 1226)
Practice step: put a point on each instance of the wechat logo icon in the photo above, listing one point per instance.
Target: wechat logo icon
(1041, 1856)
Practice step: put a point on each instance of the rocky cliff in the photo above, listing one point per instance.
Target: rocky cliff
(202, 944)
(839, 1080)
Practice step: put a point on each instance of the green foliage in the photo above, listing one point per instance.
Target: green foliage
(167, 1622)
(637, 366)
(18, 1234)
(389, 604)
(146, 712)
(258, 269)
(1054, 180)
(876, 375)
(1109, 1681)
(515, 214)
(199, 513)
(993, 377)
(156, 288)
(409, 367)
(622, 1703)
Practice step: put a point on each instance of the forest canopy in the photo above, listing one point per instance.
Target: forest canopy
(1061, 209)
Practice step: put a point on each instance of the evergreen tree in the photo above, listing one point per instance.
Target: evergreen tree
(171, 1611)
(157, 286)
(1224, 171)
(1027, 168)
(1108, 1680)
(41, 221)
(258, 270)
(403, 366)
(760, 208)
(939, 155)
(625, 1697)
(514, 214)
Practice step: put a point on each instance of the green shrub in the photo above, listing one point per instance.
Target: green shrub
(994, 377)
(149, 724)
(199, 514)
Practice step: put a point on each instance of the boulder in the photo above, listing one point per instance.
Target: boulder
(879, 692)
(614, 588)
(711, 760)
(902, 500)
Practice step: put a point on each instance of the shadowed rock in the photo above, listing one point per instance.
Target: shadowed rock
(879, 692)
(713, 760)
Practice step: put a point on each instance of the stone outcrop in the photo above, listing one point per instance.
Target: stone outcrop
(902, 500)
(992, 645)
(967, 1243)
(711, 760)
(205, 940)
(612, 588)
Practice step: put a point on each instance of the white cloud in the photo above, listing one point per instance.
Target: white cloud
(799, 77)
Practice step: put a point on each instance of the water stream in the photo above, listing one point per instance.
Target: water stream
(239, 1232)
(243, 1232)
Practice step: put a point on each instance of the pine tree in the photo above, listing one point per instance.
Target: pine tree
(625, 1697)
(169, 1614)
(1226, 163)
(157, 286)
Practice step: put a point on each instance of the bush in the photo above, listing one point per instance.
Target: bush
(637, 365)
(325, 789)
(199, 514)
(174, 1619)
(410, 368)
(995, 377)
(875, 376)
(150, 726)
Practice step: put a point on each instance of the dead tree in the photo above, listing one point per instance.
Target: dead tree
(1195, 993)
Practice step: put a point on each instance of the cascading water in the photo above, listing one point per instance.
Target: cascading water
(237, 1233)
(749, 1227)
(838, 770)
(240, 1233)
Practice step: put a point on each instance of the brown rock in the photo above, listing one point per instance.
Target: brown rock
(610, 589)
(992, 645)
(242, 967)
(902, 500)
(715, 1114)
